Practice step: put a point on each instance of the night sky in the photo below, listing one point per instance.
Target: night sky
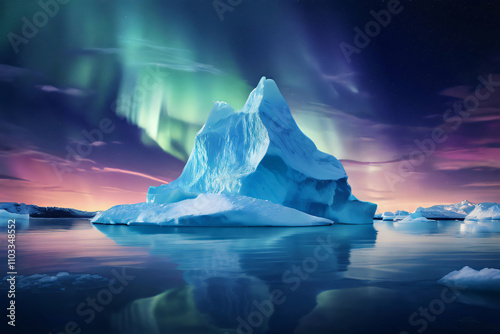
(101, 99)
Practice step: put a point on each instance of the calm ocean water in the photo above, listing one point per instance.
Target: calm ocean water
(336, 279)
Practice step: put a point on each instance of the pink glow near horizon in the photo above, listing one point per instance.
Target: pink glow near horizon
(95, 189)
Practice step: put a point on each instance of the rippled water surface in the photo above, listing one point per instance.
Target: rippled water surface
(336, 279)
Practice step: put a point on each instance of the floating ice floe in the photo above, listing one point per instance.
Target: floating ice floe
(486, 279)
(388, 216)
(415, 217)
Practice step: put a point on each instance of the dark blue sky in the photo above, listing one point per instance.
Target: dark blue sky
(150, 72)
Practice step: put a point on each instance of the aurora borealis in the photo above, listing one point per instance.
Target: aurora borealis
(155, 68)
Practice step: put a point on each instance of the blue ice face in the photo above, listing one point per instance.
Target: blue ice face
(260, 152)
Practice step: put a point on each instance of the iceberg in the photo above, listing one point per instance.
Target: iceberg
(450, 211)
(486, 279)
(415, 217)
(5, 215)
(16, 220)
(253, 158)
(400, 214)
(485, 211)
(388, 216)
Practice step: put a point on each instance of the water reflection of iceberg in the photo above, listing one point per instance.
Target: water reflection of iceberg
(419, 228)
(479, 228)
(173, 311)
(232, 275)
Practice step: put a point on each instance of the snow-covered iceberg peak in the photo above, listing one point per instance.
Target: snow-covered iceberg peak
(260, 152)
(485, 211)
(415, 217)
(449, 211)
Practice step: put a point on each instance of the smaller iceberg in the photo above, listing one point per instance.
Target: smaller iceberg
(486, 279)
(9, 219)
(388, 216)
(448, 211)
(5, 215)
(415, 217)
(209, 210)
(485, 211)
(400, 214)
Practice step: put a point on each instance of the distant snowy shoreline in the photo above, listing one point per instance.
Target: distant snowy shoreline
(35, 211)
(464, 210)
